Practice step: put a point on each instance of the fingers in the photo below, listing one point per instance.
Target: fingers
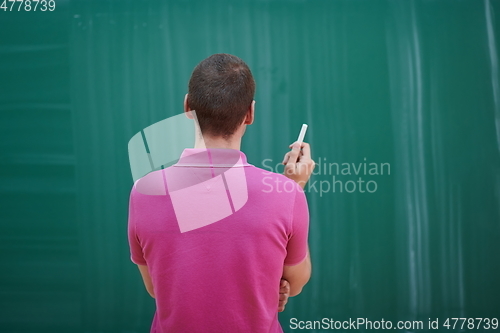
(306, 150)
(285, 158)
(281, 307)
(282, 302)
(305, 158)
(284, 287)
(298, 163)
(283, 295)
(293, 155)
(296, 143)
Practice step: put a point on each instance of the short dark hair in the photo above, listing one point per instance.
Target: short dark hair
(221, 90)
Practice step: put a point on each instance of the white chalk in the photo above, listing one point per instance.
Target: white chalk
(302, 133)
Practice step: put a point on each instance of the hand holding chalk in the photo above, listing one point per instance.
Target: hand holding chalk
(298, 162)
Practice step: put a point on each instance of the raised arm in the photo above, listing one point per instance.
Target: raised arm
(298, 167)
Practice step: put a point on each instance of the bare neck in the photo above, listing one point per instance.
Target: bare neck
(218, 142)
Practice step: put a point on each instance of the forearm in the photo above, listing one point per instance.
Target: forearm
(298, 275)
(148, 283)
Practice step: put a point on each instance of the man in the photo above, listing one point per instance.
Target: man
(224, 275)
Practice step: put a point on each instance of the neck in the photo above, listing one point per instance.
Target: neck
(217, 142)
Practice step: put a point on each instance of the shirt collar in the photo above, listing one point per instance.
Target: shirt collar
(212, 157)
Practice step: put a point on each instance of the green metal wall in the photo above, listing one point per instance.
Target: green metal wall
(413, 84)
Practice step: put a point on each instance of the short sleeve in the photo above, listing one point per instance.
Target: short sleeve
(136, 253)
(299, 230)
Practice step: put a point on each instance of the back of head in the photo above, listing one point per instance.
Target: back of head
(221, 91)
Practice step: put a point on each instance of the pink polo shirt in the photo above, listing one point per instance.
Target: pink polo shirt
(215, 233)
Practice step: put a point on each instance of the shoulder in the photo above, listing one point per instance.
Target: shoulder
(150, 184)
(272, 182)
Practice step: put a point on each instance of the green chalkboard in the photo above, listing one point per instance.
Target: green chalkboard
(402, 99)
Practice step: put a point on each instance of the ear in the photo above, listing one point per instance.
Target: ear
(250, 114)
(187, 109)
